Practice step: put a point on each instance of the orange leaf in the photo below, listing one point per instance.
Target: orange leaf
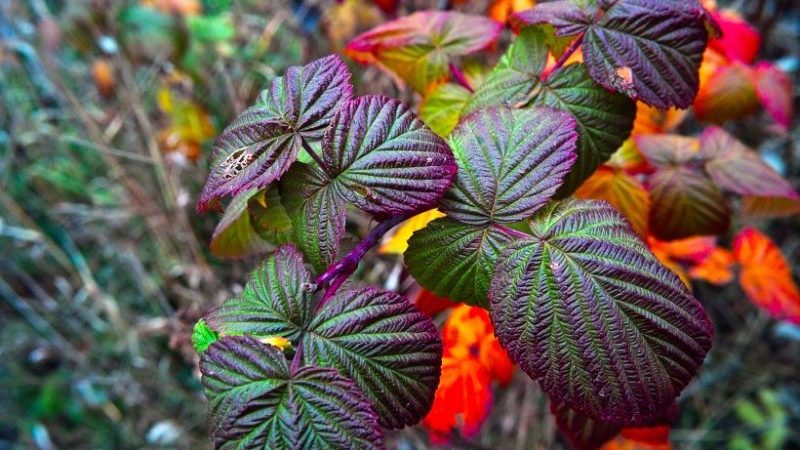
(765, 275)
(693, 249)
(500, 10)
(716, 268)
(728, 93)
(472, 359)
(622, 191)
(398, 242)
(651, 120)
(754, 207)
(103, 74)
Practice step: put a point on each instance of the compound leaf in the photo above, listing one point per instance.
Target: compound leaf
(262, 142)
(510, 162)
(604, 119)
(455, 260)
(419, 47)
(389, 349)
(685, 202)
(275, 302)
(587, 310)
(384, 159)
(649, 50)
(257, 401)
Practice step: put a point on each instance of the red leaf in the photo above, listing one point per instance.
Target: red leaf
(728, 93)
(739, 40)
(472, 359)
(765, 276)
(776, 93)
(430, 304)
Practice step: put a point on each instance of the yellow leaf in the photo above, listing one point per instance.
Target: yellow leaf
(398, 242)
(622, 191)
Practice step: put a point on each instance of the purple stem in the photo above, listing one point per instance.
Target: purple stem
(567, 53)
(459, 76)
(510, 232)
(338, 273)
(312, 153)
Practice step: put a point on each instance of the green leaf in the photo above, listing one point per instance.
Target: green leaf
(442, 107)
(455, 260)
(269, 218)
(418, 47)
(318, 213)
(587, 310)
(385, 345)
(257, 401)
(203, 336)
(378, 339)
(275, 302)
(234, 235)
(649, 50)
(384, 159)
(685, 202)
(261, 144)
(604, 119)
(510, 162)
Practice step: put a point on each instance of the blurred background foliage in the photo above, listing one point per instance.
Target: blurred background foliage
(107, 113)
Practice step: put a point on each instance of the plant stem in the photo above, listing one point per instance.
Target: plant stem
(311, 152)
(567, 53)
(460, 78)
(511, 232)
(337, 273)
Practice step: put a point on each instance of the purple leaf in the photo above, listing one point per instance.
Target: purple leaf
(257, 401)
(587, 310)
(383, 343)
(261, 144)
(383, 159)
(649, 50)
(510, 162)
(582, 432)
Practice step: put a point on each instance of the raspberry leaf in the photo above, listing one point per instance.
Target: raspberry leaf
(257, 401)
(262, 142)
(389, 349)
(649, 50)
(455, 260)
(510, 162)
(588, 311)
(604, 119)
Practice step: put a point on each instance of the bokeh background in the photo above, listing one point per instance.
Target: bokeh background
(108, 110)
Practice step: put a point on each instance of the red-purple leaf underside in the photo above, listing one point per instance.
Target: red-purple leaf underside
(736, 168)
(262, 142)
(510, 162)
(257, 401)
(649, 50)
(384, 159)
(587, 310)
